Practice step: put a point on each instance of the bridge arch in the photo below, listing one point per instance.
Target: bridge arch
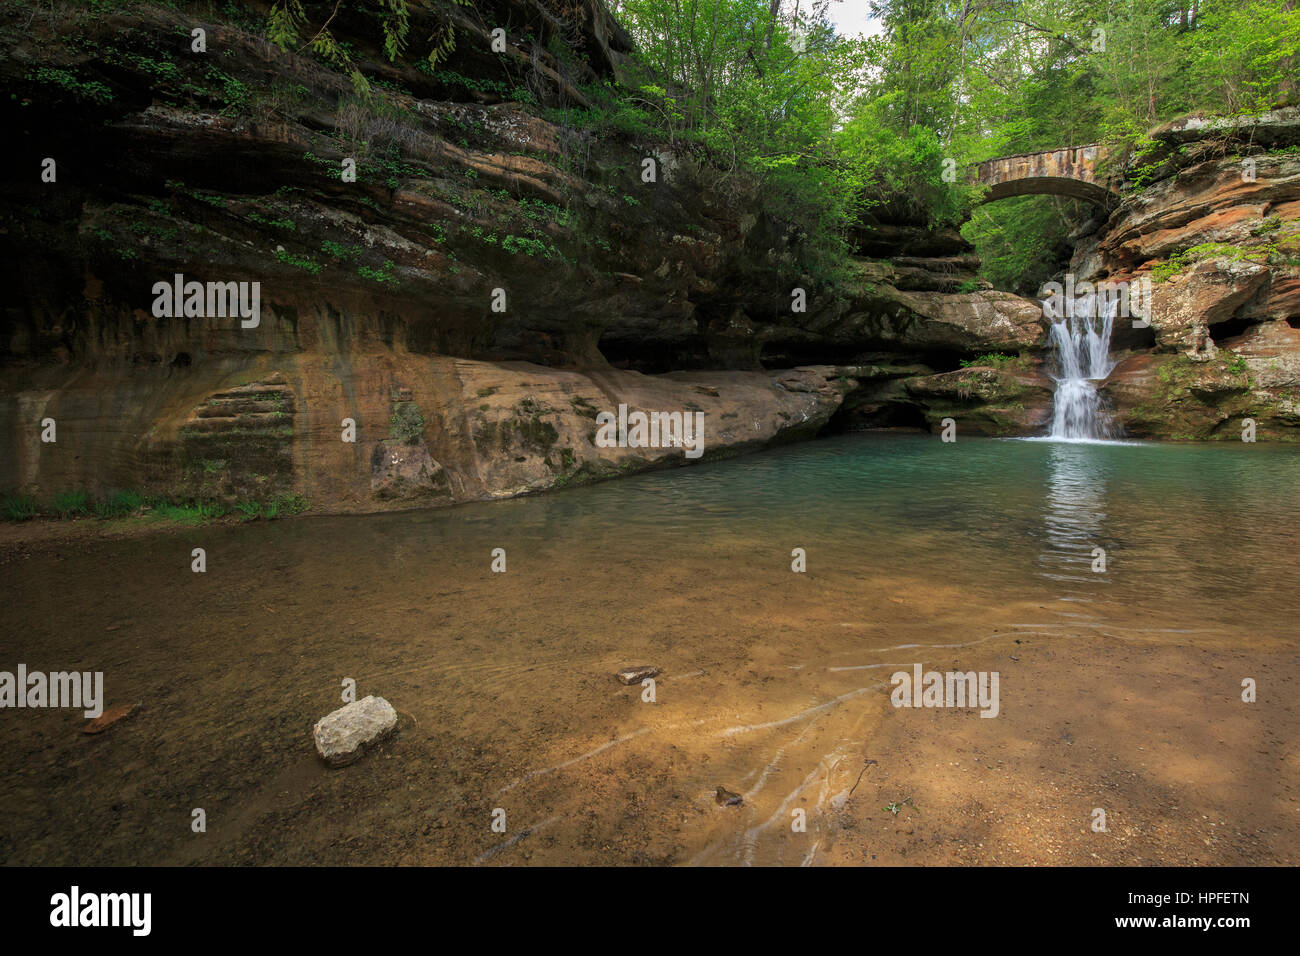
(1071, 171)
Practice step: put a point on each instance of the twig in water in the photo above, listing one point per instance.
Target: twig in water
(860, 773)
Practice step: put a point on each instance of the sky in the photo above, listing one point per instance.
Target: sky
(853, 17)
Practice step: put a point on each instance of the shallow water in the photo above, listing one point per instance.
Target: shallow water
(917, 551)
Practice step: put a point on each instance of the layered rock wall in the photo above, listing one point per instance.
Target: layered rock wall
(1218, 236)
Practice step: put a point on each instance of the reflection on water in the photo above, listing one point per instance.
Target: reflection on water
(1074, 515)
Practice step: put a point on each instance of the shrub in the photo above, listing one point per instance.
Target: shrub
(70, 503)
(407, 424)
(18, 507)
(118, 504)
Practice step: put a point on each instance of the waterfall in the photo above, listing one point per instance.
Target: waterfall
(1081, 338)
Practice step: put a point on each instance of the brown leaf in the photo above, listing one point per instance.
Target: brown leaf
(109, 717)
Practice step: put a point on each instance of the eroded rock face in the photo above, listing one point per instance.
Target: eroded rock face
(405, 471)
(1254, 376)
(1186, 307)
(984, 321)
(379, 298)
(343, 736)
(985, 400)
(485, 429)
(533, 428)
(915, 305)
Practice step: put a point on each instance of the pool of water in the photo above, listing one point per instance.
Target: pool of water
(505, 680)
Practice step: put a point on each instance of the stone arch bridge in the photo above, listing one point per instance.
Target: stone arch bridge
(1071, 171)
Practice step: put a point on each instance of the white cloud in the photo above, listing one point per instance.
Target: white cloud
(853, 17)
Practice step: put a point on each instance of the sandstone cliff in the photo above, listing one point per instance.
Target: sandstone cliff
(486, 286)
(495, 276)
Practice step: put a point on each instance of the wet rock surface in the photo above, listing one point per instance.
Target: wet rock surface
(725, 798)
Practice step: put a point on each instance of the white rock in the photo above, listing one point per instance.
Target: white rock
(341, 737)
(636, 674)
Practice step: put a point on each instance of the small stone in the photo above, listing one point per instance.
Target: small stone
(342, 736)
(635, 675)
(109, 717)
(725, 798)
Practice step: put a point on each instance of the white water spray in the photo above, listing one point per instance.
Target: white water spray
(1082, 341)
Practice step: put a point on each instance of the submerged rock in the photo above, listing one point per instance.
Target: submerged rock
(725, 798)
(342, 737)
(636, 674)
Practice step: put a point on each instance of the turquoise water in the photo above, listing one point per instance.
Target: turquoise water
(1202, 533)
(1195, 536)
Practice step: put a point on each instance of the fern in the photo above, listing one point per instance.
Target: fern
(397, 26)
(285, 22)
(286, 25)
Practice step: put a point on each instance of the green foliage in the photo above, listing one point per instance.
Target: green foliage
(297, 261)
(118, 504)
(904, 170)
(1139, 171)
(407, 423)
(996, 79)
(1267, 225)
(279, 507)
(122, 504)
(337, 250)
(217, 202)
(72, 503)
(384, 274)
(18, 507)
(233, 91)
(743, 94)
(160, 72)
(153, 231)
(288, 26)
(331, 167)
(992, 360)
(1175, 264)
(276, 223)
(477, 84)
(1017, 239)
(530, 247)
(91, 90)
